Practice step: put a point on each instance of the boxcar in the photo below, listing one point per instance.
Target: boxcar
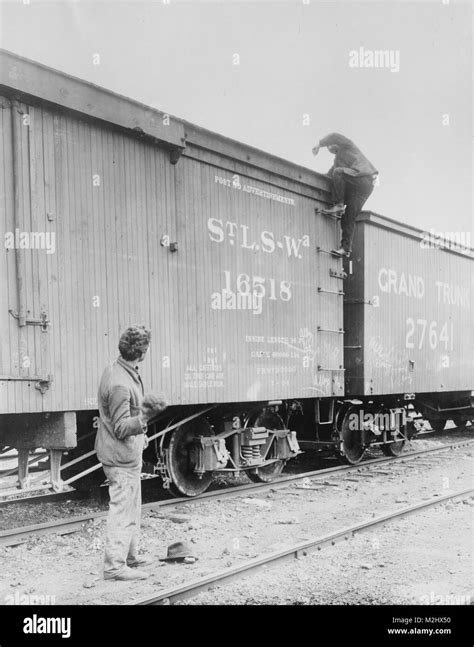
(408, 321)
(415, 302)
(115, 213)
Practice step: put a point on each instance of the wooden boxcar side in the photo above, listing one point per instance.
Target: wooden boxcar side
(238, 236)
(408, 313)
(213, 244)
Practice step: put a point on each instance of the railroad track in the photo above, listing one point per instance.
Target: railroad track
(42, 497)
(15, 536)
(43, 493)
(193, 588)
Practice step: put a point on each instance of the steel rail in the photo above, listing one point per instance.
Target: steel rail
(44, 494)
(39, 495)
(14, 536)
(193, 588)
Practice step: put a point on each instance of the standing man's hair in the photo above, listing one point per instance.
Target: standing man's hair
(133, 342)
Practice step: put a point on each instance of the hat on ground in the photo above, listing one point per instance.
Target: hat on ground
(177, 551)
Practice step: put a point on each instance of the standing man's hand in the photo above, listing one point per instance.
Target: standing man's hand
(315, 150)
(152, 406)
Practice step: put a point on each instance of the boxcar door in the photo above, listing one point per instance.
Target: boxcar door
(29, 248)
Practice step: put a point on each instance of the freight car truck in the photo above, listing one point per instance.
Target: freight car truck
(409, 343)
(115, 213)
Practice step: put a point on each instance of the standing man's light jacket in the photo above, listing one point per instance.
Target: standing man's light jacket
(120, 437)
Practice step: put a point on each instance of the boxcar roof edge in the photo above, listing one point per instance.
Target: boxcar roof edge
(33, 79)
(384, 222)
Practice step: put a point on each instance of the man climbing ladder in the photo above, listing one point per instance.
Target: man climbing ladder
(353, 181)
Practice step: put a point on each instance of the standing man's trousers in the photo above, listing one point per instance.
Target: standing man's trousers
(123, 521)
(353, 192)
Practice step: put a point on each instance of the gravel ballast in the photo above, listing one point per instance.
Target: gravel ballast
(229, 532)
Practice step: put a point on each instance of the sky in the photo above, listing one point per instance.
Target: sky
(279, 75)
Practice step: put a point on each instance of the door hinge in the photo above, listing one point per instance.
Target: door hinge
(43, 384)
(43, 321)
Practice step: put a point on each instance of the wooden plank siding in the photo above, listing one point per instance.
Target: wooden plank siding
(413, 340)
(39, 81)
(115, 202)
(110, 197)
(101, 238)
(8, 328)
(94, 169)
(242, 354)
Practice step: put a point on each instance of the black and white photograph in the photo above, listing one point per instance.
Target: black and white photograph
(236, 320)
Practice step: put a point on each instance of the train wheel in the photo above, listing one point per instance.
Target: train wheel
(269, 420)
(184, 482)
(459, 421)
(393, 449)
(352, 447)
(437, 424)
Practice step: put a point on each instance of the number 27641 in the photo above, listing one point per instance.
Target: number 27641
(421, 333)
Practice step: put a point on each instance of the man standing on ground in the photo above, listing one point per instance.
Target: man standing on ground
(353, 181)
(119, 445)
